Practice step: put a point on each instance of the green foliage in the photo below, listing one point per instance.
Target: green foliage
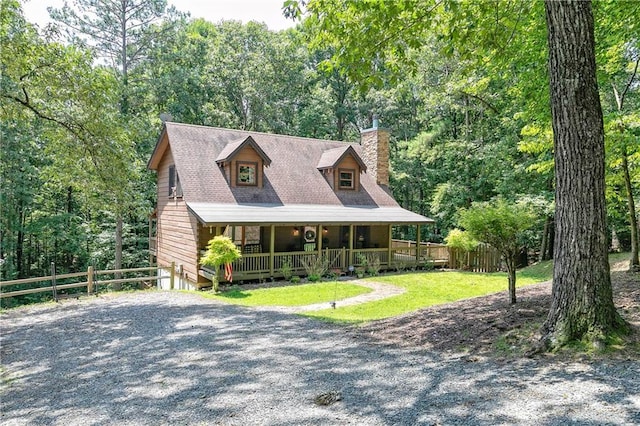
(295, 279)
(368, 263)
(499, 223)
(315, 266)
(220, 251)
(286, 268)
(461, 240)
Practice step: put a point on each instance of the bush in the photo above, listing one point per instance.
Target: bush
(369, 263)
(295, 279)
(220, 251)
(315, 265)
(462, 240)
(314, 278)
(286, 269)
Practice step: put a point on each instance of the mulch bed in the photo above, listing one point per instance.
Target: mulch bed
(490, 326)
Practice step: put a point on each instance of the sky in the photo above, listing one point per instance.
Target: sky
(267, 11)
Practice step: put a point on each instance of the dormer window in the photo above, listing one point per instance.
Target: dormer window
(243, 162)
(347, 179)
(247, 174)
(341, 167)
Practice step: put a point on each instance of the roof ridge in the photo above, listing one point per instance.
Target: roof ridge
(249, 132)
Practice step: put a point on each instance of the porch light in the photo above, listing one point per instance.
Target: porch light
(296, 231)
(325, 230)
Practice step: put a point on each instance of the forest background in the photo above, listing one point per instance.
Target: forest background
(467, 107)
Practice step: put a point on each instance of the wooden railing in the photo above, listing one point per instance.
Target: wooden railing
(88, 279)
(402, 254)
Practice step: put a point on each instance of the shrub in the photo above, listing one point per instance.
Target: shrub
(369, 263)
(295, 279)
(286, 269)
(373, 264)
(220, 251)
(315, 265)
(462, 240)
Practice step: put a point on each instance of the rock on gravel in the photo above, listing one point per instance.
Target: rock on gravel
(162, 358)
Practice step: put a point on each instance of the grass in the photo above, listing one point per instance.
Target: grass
(296, 295)
(427, 289)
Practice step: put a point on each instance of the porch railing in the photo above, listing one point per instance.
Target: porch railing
(401, 254)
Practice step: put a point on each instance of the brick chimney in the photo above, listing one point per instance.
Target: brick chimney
(375, 144)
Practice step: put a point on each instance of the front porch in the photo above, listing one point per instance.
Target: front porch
(266, 249)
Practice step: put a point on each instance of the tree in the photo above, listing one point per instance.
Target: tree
(53, 95)
(120, 31)
(220, 251)
(582, 305)
(367, 34)
(503, 226)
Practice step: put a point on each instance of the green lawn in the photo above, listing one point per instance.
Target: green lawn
(295, 295)
(426, 289)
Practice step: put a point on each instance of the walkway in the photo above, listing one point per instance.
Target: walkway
(380, 291)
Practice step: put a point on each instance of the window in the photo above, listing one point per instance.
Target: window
(175, 189)
(346, 179)
(247, 174)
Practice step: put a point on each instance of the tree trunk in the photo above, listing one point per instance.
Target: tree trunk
(511, 271)
(634, 262)
(545, 240)
(582, 305)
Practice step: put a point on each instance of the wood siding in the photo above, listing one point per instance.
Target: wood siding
(177, 230)
(246, 155)
(347, 163)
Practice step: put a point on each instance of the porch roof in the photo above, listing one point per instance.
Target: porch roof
(301, 214)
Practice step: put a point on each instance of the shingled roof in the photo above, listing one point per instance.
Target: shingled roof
(332, 157)
(292, 178)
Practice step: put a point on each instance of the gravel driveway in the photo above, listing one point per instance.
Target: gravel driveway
(177, 359)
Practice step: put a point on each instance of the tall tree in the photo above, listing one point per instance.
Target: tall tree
(120, 31)
(366, 34)
(582, 305)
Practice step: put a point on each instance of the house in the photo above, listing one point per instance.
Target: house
(281, 199)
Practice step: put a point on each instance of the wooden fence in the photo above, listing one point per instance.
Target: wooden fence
(89, 279)
(484, 258)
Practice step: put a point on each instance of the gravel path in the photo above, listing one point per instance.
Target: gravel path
(160, 358)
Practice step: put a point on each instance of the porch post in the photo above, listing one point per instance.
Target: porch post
(417, 244)
(319, 239)
(390, 253)
(351, 238)
(272, 245)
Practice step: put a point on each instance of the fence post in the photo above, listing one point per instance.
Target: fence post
(89, 280)
(172, 275)
(53, 281)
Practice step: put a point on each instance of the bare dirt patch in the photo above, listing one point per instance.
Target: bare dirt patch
(490, 326)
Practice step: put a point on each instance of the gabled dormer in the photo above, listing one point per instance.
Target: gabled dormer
(341, 167)
(243, 163)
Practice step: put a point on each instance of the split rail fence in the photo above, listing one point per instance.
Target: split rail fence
(93, 280)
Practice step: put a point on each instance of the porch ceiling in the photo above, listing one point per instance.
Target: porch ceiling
(301, 214)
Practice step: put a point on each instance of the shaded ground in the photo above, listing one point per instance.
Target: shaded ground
(490, 326)
(173, 358)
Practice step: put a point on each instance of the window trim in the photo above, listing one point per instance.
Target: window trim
(352, 172)
(174, 182)
(252, 164)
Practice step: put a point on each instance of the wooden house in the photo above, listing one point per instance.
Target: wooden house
(279, 198)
